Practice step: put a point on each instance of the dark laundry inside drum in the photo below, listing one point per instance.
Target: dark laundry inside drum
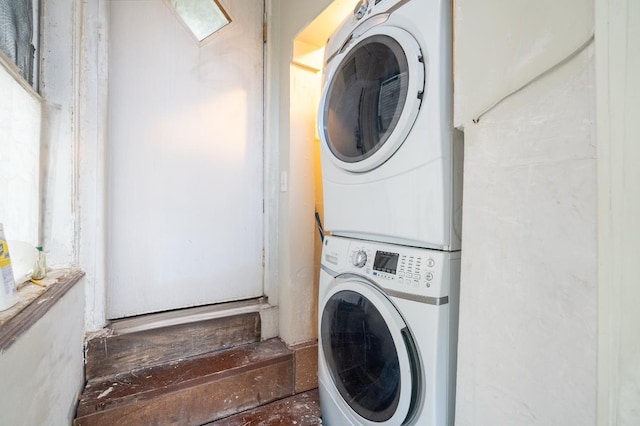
(361, 355)
(366, 98)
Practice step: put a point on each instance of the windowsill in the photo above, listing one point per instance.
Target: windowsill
(34, 302)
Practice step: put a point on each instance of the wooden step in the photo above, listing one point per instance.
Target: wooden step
(191, 391)
(302, 409)
(116, 353)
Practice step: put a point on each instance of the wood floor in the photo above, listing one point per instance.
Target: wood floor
(210, 372)
(302, 409)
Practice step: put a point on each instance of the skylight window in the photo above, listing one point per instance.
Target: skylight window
(201, 17)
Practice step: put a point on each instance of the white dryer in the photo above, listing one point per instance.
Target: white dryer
(391, 161)
(387, 321)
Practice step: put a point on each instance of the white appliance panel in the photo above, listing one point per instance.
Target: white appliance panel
(419, 285)
(409, 190)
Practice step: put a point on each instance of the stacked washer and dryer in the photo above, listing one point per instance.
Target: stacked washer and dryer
(392, 179)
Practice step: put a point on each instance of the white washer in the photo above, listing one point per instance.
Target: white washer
(391, 161)
(387, 322)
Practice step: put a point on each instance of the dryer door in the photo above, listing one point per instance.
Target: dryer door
(369, 353)
(372, 97)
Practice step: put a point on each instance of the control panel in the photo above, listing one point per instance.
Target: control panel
(401, 268)
(411, 269)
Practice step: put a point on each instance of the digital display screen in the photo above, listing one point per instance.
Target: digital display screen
(386, 262)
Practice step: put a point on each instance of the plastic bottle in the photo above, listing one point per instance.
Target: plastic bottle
(8, 293)
(40, 267)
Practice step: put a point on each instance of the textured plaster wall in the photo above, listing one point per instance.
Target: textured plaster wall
(527, 341)
(503, 45)
(43, 371)
(528, 323)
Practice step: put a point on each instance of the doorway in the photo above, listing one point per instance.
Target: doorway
(185, 159)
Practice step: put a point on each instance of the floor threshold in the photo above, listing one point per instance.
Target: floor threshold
(189, 315)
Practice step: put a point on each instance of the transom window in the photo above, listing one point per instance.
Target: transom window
(201, 17)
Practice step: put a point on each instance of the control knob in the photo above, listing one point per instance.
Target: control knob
(359, 259)
(361, 9)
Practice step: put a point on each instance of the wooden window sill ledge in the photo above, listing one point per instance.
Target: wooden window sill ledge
(34, 302)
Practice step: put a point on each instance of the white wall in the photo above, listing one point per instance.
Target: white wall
(527, 340)
(290, 236)
(618, 72)
(501, 46)
(305, 86)
(43, 371)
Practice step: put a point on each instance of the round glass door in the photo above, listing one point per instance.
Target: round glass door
(366, 355)
(372, 98)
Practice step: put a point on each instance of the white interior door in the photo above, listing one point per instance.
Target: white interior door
(185, 159)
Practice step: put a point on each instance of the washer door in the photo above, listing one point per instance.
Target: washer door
(369, 353)
(374, 91)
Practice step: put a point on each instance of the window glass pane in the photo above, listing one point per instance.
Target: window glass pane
(365, 99)
(202, 17)
(361, 355)
(16, 34)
